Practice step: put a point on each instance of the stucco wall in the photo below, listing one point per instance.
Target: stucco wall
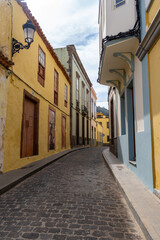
(25, 76)
(154, 84)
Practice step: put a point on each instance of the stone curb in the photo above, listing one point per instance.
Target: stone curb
(10, 179)
(129, 202)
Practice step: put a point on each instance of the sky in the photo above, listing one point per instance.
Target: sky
(75, 22)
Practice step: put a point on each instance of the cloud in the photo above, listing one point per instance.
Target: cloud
(73, 22)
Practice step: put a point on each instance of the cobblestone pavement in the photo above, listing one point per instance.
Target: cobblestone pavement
(75, 198)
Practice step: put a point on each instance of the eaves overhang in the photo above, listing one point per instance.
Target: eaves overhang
(117, 56)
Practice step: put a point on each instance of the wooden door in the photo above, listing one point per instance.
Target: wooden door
(28, 128)
(63, 132)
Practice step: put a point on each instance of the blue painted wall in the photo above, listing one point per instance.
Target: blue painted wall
(143, 168)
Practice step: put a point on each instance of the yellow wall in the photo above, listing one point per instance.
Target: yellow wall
(99, 132)
(5, 43)
(104, 121)
(154, 83)
(152, 12)
(5, 28)
(26, 68)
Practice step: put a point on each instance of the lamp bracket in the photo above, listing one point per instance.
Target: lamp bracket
(17, 46)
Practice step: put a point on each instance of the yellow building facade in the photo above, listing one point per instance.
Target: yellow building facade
(99, 134)
(153, 17)
(37, 121)
(104, 121)
(149, 48)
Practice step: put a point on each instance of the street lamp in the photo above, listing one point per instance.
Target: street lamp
(29, 30)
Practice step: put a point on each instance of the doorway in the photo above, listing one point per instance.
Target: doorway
(77, 128)
(131, 122)
(63, 131)
(30, 126)
(83, 127)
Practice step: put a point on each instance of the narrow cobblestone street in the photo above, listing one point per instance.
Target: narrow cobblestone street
(75, 198)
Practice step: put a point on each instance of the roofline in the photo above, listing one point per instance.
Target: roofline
(71, 48)
(94, 93)
(42, 36)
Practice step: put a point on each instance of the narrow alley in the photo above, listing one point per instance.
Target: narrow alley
(75, 198)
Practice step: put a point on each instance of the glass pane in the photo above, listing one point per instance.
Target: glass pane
(29, 35)
(120, 3)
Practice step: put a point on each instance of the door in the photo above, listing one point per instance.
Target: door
(83, 136)
(63, 132)
(28, 128)
(77, 128)
(131, 122)
(112, 122)
(87, 132)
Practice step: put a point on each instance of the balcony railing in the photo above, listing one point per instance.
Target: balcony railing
(77, 104)
(84, 110)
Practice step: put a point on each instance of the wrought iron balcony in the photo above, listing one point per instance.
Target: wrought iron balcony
(84, 110)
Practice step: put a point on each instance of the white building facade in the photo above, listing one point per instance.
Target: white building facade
(93, 116)
(120, 30)
(80, 95)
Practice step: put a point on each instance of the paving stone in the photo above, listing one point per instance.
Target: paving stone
(75, 198)
(30, 235)
(59, 237)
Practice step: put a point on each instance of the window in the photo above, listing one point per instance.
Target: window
(87, 97)
(51, 128)
(41, 66)
(95, 110)
(83, 93)
(77, 88)
(108, 138)
(107, 124)
(100, 123)
(65, 95)
(92, 106)
(119, 3)
(56, 87)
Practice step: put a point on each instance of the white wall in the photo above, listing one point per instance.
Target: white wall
(113, 20)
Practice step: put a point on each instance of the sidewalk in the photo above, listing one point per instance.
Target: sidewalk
(12, 178)
(143, 203)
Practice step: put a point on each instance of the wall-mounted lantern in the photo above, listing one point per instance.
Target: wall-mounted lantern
(29, 30)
